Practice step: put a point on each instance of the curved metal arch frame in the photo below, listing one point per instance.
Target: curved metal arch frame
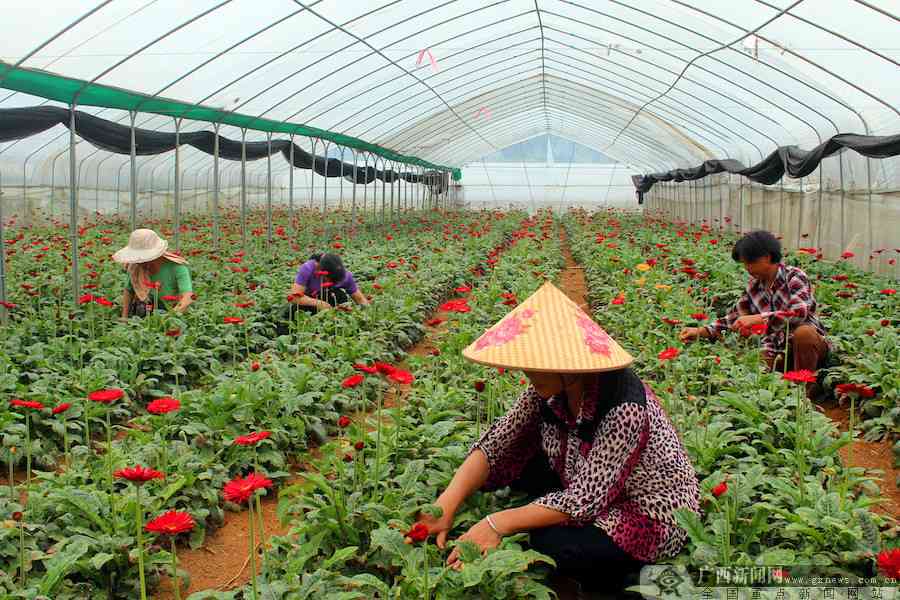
(637, 161)
(429, 132)
(586, 124)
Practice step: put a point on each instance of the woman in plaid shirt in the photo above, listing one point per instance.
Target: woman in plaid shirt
(776, 293)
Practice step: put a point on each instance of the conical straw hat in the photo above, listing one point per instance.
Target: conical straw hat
(550, 333)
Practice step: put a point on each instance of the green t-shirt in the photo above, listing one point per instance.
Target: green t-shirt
(175, 280)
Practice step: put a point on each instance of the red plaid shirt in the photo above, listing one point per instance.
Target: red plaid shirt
(789, 291)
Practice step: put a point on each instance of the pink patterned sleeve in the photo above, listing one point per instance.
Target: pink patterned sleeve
(613, 456)
(512, 441)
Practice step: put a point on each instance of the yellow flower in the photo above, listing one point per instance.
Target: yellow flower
(640, 281)
(662, 286)
(642, 267)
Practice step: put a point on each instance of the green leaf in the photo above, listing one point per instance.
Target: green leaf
(340, 556)
(98, 560)
(391, 541)
(61, 564)
(690, 522)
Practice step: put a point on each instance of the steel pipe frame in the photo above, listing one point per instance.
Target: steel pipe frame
(3, 309)
(623, 4)
(567, 112)
(434, 129)
(492, 86)
(588, 123)
(395, 64)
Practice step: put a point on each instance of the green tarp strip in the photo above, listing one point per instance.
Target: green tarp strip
(68, 90)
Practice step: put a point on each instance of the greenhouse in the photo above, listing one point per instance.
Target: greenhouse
(452, 300)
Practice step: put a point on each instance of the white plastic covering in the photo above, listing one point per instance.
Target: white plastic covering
(655, 84)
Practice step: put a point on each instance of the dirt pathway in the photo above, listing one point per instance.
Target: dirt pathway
(872, 456)
(571, 279)
(222, 562)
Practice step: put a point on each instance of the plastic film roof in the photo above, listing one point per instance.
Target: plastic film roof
(656, 84)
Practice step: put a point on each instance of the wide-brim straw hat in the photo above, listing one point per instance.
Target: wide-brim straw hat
(143, 246)
(548, 332)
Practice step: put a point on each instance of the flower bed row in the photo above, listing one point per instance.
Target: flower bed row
(775, 490)
(78, 526)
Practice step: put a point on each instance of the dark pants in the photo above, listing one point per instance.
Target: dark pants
(808, 350)
(586, 554)
(333, 296)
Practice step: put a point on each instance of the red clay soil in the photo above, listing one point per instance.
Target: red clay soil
(222, 562)
(571, 280)
(870, 456)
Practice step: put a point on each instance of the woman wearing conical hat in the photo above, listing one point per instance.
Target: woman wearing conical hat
(157, 278)
(587, 440)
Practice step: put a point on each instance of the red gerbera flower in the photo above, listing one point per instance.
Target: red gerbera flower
(385, 368)
(463, 289)
(86, 299)
(619, 300)
(27, 403)
(699, 316)
(233, 320)
(370, 369)
(669, 321)
(359, 445)
(171, 523)
(240, 490)
(889, 563)
(402, 377)
(138, 474)
(164, 405)
(243, 304)
(863, 391)
(434, 322)
(720, 489)
(173, 332)
(418, 533)
(759, 329)
(61, 408)
(847, 254)
(171, 298)
(352, 381)
(479, 386)
(344, 422)
(106, 396)
(801, 376)
(668, 354)
(889, 291)
(252, 439)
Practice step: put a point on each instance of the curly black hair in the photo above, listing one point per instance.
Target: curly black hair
(755, 245)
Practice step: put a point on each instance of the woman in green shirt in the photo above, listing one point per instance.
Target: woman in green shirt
(155, 277)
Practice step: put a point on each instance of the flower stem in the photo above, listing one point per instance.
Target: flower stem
(12, 482)
(139, 521)
(22, 574)
(378, 442)
(252, 552)
(176, 581)
(259, 514)
(66, 438)
(425, 568)
(87, 430)
(27, 453)
(109, 465)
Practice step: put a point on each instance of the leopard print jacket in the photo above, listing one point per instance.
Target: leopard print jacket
(621, 462)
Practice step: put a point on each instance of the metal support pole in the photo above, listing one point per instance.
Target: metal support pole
(869, 205)
(244, 189)
(800, 216)
(341, 183)
(393, 178)
(3, 310)
(355, 179)
(384, 176)
(741, 205)
(133, 178)
(843, 195)
(312, 175)
(216, 182)
(819, 211)
(781, 206)
(73, 207)
(269, 188)
(365, 182)
(177, 185)
(291, 190)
